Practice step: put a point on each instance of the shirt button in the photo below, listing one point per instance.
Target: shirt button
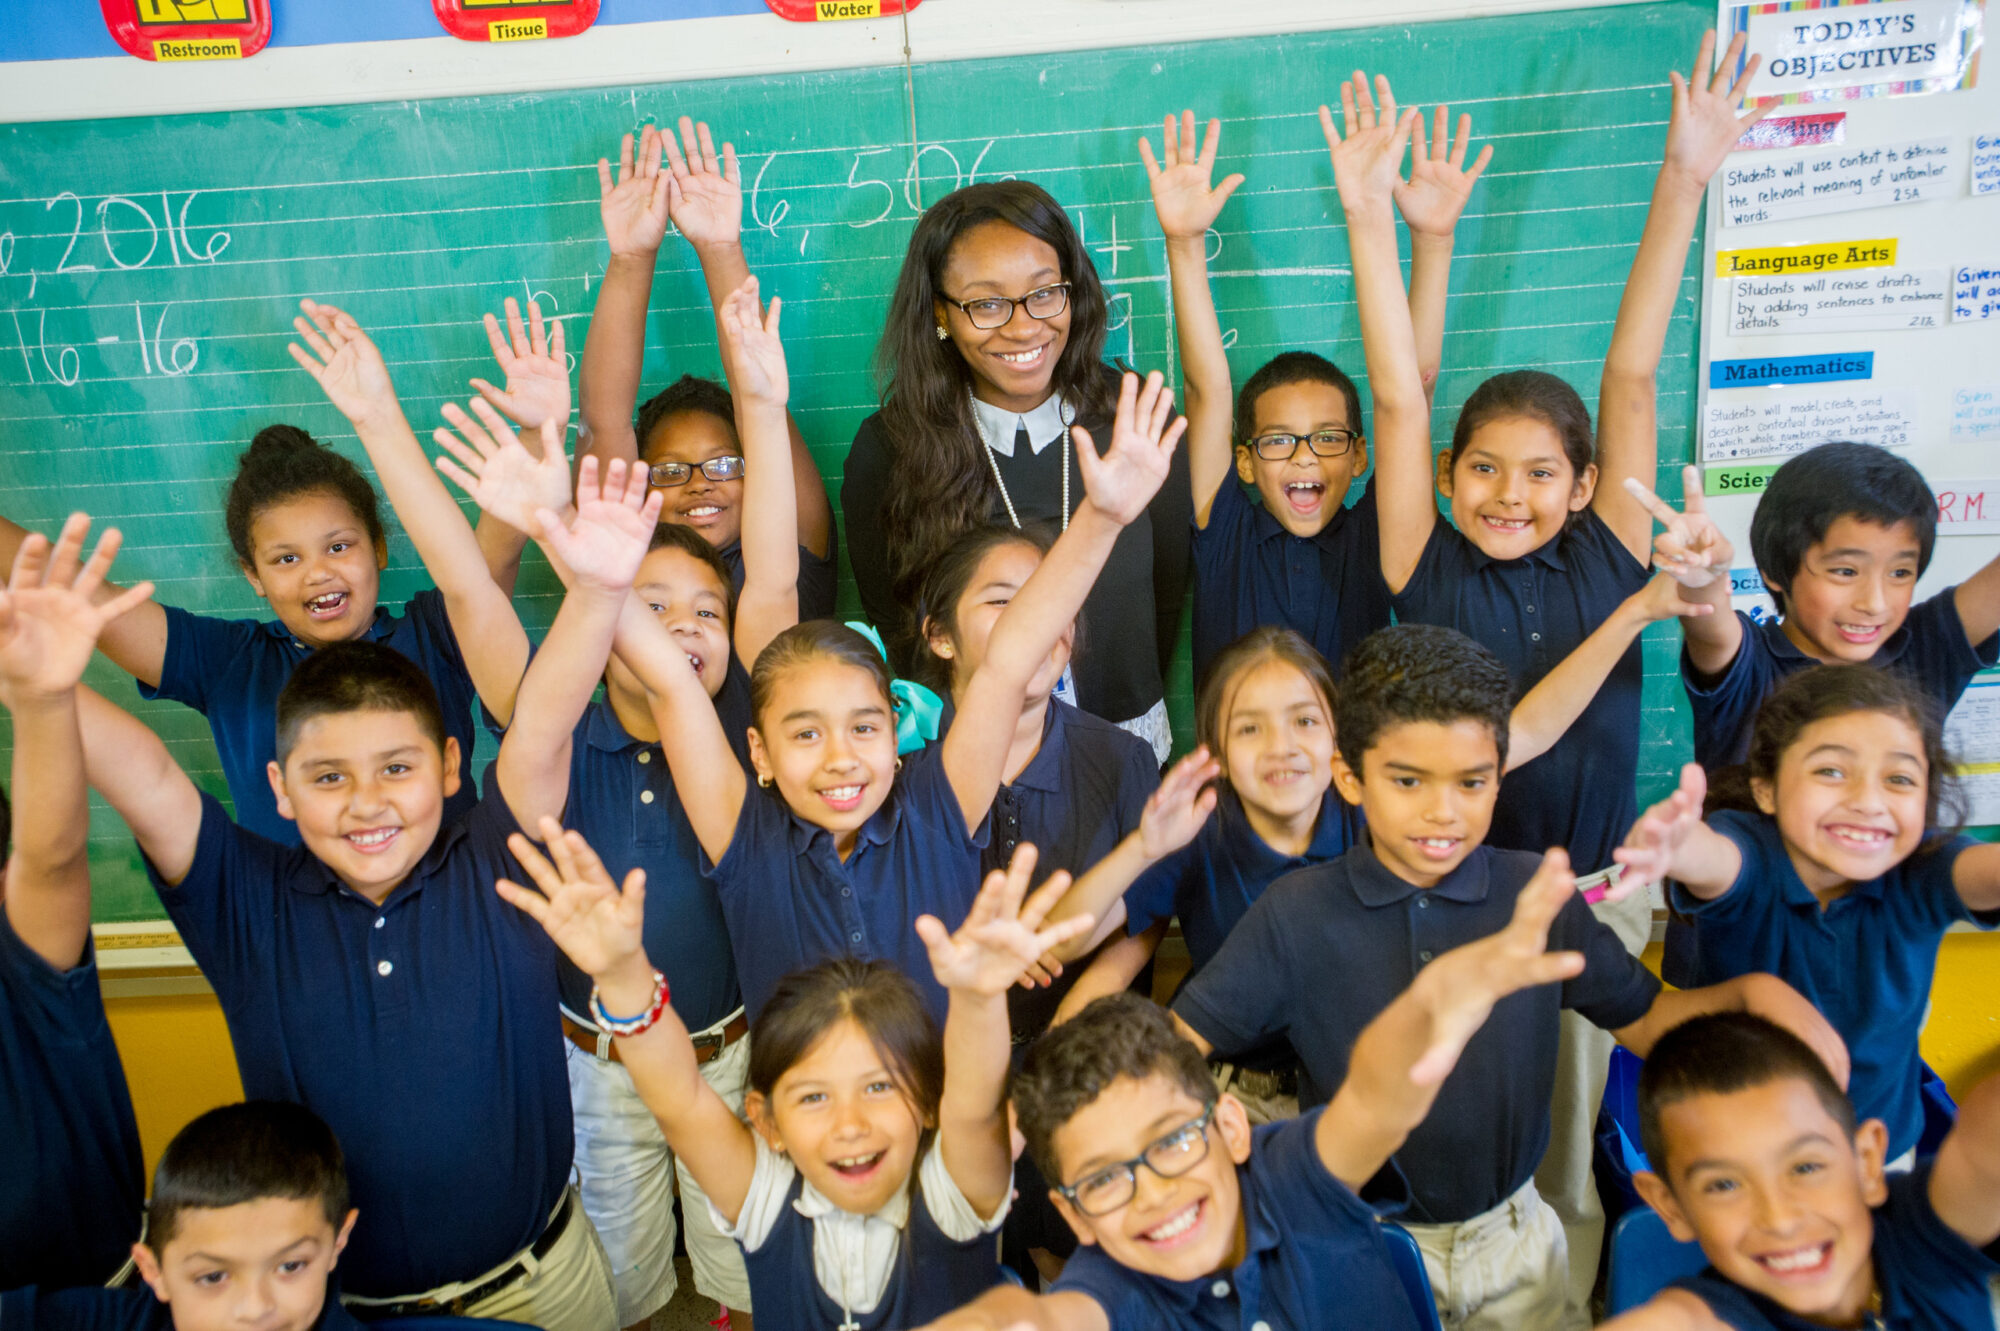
(645, 797)
(1531, 610)
(1220, 1289)
(1424, 955)
(645, 757)
(854, 938)
(847, 891)
(381, 920)
(384, 967)
(1423, 903)
(1534, 637)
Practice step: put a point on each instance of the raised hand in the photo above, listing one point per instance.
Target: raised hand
(48, 625)
(1708, 118)
(1002, 935)
(1440, 182)
(1462, 986)
(634, 206)
(498, 472)
(704, 191)
(1661, 599)
(1650, 847)
(606, 537)
(537, 371)
(1368, 158)
(1182, 803)
(1692, 549)
(1143, 436)
(752, 356)
(345, 363)
(1181, 194)
(594, 922)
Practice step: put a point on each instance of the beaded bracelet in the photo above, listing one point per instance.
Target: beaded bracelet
(638, 1025)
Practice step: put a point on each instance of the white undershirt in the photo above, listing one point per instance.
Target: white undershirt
(853, 1255)
(1045, 424)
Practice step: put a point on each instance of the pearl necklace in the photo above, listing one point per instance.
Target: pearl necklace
(1068, 414)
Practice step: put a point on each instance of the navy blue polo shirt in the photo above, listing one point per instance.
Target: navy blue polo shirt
(424, 1031)
(1865, 962)
(1249, 571)
(1354, 920)
(791, 902)
(52, 1309)
(232, 670)
(72, 1182)
(1930, 651)
(1930, 1277)
(623, 800)
(819, 577)
(1314, 1256)
(1531, 613)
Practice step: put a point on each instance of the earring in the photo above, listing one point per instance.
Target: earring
(943, 651)
(899, 764)
(943, 332)
(763, 781)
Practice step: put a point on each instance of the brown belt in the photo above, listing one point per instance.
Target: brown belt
(706, 1047)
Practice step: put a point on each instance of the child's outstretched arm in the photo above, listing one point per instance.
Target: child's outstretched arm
(1112, 971)
(1707, 121)
(1553, 705)
(599, 926)
(1696, 553)
(1766, 996)
(1366, 165)
(1187, 208)
(349, 369)
(1001, 937)
(602, 545)
(634, 211)
(711, 782)
(1403, 1055)
(536, 396)
(754, 359)
(1965, 1180)
(1431, 201)
(1977, 601)
(1976, 875)
(50, 621)
(1117, 487)
(136, 641)
(1671, 841)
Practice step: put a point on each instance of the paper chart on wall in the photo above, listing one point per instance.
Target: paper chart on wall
(1783, 421)
(1838, 180)
(1869, 300)
(1972, 737)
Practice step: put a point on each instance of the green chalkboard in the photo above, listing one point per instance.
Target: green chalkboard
(149, 268)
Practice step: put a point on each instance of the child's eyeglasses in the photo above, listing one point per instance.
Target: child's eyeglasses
(996, 311)
(666, 475)
(1323, 443)
(1109, 1188)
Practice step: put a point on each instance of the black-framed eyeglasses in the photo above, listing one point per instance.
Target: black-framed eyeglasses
(995, 311)
(667, 475)
(1105, 1190)
(1323, 443)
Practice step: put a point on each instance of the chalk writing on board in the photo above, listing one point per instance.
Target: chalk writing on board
(1784, 421)
(1840, 302)
(1975, 415)
(1986, 164)
(1975, 293)
(1839, 180)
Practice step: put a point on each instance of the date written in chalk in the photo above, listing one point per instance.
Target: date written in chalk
(1878, 298)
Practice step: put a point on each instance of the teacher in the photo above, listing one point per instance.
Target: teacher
(992, 351)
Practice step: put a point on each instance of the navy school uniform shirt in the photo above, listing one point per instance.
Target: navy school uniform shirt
(1314, 1256)
(1531, 613)
(790, 901)
(1249, 571)
(52, 1309)
(231, 671)
(1930, 1277)
(72, 1182)
(1355, 920)
(819, 576)
(623, 800)
(424, 1031)
(1866, 961)
(1930, 651)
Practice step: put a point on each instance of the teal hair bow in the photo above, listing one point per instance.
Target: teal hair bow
(918, 710)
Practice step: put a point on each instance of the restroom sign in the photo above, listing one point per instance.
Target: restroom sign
(176, 30)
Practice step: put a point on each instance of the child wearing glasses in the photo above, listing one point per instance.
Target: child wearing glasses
(687, 432)
(1294, 555)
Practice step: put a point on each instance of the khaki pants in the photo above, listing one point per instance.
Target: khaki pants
(1263, 1102)
(568, 1289)
(1504, 1270)
(1583, 1060)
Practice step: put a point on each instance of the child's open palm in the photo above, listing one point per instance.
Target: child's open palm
(1708, 117)
(536, 367)
(1180, 177)
(634, 206)
(1182, 803)
(1368, 159)
(605, 538)
(704, 190)
(1002, 935)
(1650, 847)
(1440, 182)
(344, 361)
(48, 624)
(586, 914)
(1692, 549)
(496, 470)
(1143, 436)
(752, 355)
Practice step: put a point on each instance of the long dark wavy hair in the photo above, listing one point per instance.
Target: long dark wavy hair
(943, 486)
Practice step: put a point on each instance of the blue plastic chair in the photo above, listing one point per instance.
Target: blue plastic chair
(1409, 1262)
(1645, 1259)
